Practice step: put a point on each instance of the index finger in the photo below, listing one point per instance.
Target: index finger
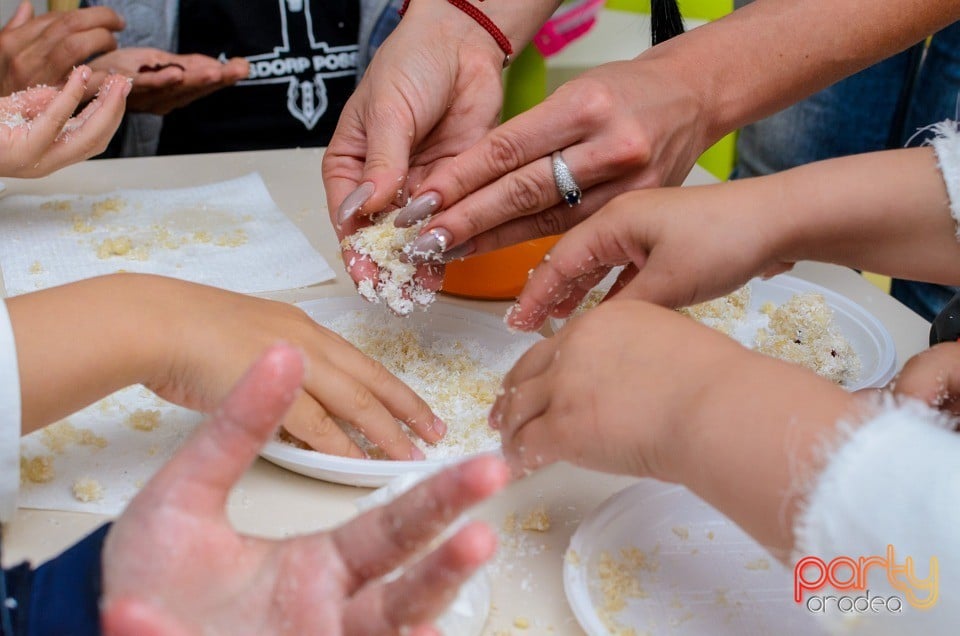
(523, 139)
(378, 540)
(579, 260)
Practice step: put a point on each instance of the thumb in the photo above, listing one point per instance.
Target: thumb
(932, 376)
(132, 617)
(21, 16)
(199, 477)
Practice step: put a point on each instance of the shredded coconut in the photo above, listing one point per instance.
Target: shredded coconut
(87, 490)
(387, 246)
(456, 376)
(618, 580)
(800, 330)
(36, 470)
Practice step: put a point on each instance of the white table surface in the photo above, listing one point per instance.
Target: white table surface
(271, 501)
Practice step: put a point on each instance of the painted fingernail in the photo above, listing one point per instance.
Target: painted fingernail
(355, 201)
(460, 251)
(418, 209)
(428, 246)
(439, 426)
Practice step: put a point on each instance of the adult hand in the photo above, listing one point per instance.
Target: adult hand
(932, 376)
(432, 90)
(43, 50)
(165, 81)
(611, 390)
(681, 246)
(173, 564)
(39, 132)
(621, 126)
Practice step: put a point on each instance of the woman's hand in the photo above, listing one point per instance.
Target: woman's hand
(172, 563)
(621, 126)
(432, 90)
(39, 132)
(165, 81)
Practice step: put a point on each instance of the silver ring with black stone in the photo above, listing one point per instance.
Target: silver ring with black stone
(566, 184)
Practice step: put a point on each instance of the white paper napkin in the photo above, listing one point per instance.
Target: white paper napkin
(115, 445)
(228, 234)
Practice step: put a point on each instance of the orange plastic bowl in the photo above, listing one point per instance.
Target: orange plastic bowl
(497, 275)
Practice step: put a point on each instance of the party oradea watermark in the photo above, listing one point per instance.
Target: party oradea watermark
(814, 579)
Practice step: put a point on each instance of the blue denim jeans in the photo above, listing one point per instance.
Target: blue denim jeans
(857, 115)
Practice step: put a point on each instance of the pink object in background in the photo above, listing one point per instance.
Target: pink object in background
(566, 25)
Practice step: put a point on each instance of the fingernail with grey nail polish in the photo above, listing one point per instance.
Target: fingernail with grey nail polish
(460, 251)
(430, 245)
(354, 201)
(418, 209)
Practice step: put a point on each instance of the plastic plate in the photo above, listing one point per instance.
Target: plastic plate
(439, 321)
(869, 338)
(700, 573)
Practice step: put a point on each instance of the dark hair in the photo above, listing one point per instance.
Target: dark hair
(665, 20)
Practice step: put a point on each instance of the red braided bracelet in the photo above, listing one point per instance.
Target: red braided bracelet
(483, 20)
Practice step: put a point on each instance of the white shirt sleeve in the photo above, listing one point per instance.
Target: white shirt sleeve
(946, 144)
(9, 418)
(895, 481)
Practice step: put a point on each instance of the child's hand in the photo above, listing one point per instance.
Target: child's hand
(39, 132)
(173, 564)
(190, 343)
(681, 246)
(611, 390)
(932, 376)
(218, 334)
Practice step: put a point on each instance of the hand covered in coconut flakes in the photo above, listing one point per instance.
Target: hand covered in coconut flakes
(610, 389)
(165, 81)
(680, 246)
(173, 564)
(432, 90)
(39, 132)
(637, 389)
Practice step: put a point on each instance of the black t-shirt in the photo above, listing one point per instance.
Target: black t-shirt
(303, 64)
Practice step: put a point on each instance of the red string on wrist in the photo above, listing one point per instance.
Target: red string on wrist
(483, 20)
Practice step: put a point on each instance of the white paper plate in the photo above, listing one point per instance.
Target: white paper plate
(869, 338)
(442, 319)
(707, 575)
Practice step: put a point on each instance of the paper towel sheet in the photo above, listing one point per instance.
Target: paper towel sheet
(102, 443)
(228, 234)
